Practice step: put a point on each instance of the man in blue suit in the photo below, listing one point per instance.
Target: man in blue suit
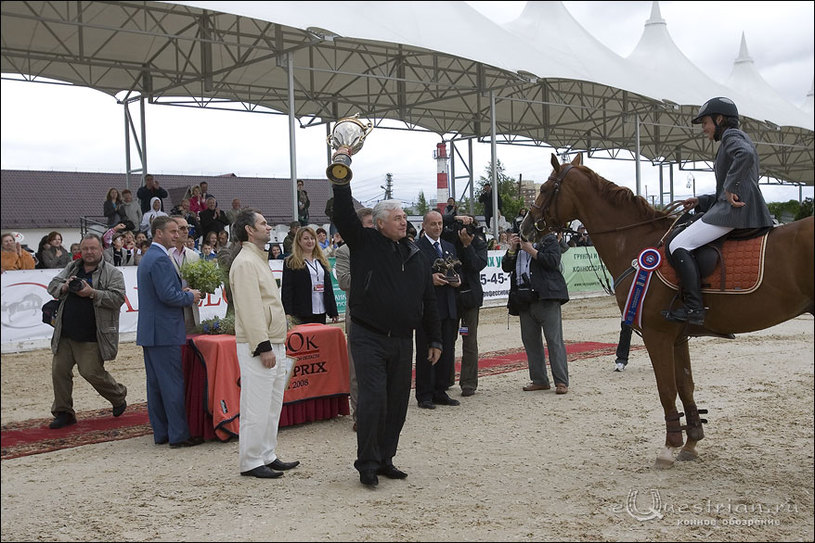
(161, 333)
(432, 380)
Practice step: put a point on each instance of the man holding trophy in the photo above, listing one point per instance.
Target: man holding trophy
(432, 381)
(391, 296)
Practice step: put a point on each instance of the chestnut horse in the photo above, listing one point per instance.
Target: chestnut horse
(621, 225)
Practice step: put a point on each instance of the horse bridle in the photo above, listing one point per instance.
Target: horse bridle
(541, 226)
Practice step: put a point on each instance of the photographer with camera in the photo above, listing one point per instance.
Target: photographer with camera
(86, 330)
(471, 247)
(537, 290)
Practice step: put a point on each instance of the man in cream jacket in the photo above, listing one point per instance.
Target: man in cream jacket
(260, 330)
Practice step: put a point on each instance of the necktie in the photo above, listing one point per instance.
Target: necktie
(438, 248)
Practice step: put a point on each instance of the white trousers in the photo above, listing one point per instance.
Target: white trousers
(696, 235)
(262, 391)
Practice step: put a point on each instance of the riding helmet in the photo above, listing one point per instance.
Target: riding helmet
(717, 106)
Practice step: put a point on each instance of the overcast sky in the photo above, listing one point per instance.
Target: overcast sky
(49, 127)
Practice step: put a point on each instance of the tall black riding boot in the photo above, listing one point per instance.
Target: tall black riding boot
(686, 268)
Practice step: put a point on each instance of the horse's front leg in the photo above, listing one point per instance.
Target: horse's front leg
(660, 347)
(684, 381)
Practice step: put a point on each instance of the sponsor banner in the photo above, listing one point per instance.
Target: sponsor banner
(25, 292)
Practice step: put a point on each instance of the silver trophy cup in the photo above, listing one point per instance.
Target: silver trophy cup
(346, 139)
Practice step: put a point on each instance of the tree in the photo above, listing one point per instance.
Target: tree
(421, 206)
(787, 211)
(805, 209)
(507, 187)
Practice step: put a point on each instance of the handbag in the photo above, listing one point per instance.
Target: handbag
(519, 299)
(49, 312)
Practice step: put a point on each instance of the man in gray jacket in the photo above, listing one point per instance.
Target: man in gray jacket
(86, 331)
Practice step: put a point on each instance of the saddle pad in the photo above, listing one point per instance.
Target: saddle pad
(744, 268)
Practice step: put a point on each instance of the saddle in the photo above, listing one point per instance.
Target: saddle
(733, 265)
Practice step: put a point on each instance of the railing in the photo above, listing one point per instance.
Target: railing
(93, 224)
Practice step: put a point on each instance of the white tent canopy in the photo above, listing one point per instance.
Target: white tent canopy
(430, 65)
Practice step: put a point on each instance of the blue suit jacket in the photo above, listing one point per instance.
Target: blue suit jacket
(161, 301)
(445, 295)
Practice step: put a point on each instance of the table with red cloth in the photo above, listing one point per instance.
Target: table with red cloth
(318, 388)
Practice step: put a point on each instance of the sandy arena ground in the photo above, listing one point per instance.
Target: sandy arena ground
(506, 465)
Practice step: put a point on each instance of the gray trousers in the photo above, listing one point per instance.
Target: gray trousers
(544, 314)
(468, 379)
(85, 355)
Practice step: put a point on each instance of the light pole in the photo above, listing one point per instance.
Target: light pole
(692, 183)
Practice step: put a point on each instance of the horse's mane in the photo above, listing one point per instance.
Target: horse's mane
(618, 195)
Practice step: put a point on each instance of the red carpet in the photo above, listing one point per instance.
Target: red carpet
(33, 436)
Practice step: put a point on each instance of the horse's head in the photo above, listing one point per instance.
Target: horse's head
(550, 212)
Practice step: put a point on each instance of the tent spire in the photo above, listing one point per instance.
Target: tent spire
(656, 16)
(744, 56)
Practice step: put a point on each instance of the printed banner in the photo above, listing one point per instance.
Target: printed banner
(23, 294)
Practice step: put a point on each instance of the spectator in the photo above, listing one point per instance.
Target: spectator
(231, 214)
(197, 202)
(86, 331)
(208, 252)
(223, 240)
(289, 239)
(342, 268)
(275, 252)
(161, 333)
(205, 195)
(107, 237)
(190, 243)
(212, 240)
(130, 211)
(193, 224)
(141, 249)
(581, 239)
(224, 259)
(535, 270)
(14, 257)
(154, 212)
(111, 207)
(329, 212)
(308, 295)
(38, 259)
(486, 199)
(181, 255)
(260, 334)
(322, 238)
(140, 237)
(54, 255)
(117, 255)
(451, 208)
(76, 254)
(130, 240)
(212, 218)
(303, 203)
(150, 190)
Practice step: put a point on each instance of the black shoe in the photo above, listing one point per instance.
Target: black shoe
(61, 420)
(445, 400)
(683, 314)
(427, 404)
(368, 478)
(391, 472)
(119, 409)
(190, 442)
(467, 392)
(261, 472)
(280, 465)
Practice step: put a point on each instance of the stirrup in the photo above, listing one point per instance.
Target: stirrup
(683, 314)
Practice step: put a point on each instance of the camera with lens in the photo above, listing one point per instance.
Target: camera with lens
(75, 285)
(472, 229)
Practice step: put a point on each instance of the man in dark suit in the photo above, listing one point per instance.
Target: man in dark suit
(432, 380)
(161, 334)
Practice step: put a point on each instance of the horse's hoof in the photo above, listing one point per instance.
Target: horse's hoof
(662, 463)
(686, 455)
(665, 459)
